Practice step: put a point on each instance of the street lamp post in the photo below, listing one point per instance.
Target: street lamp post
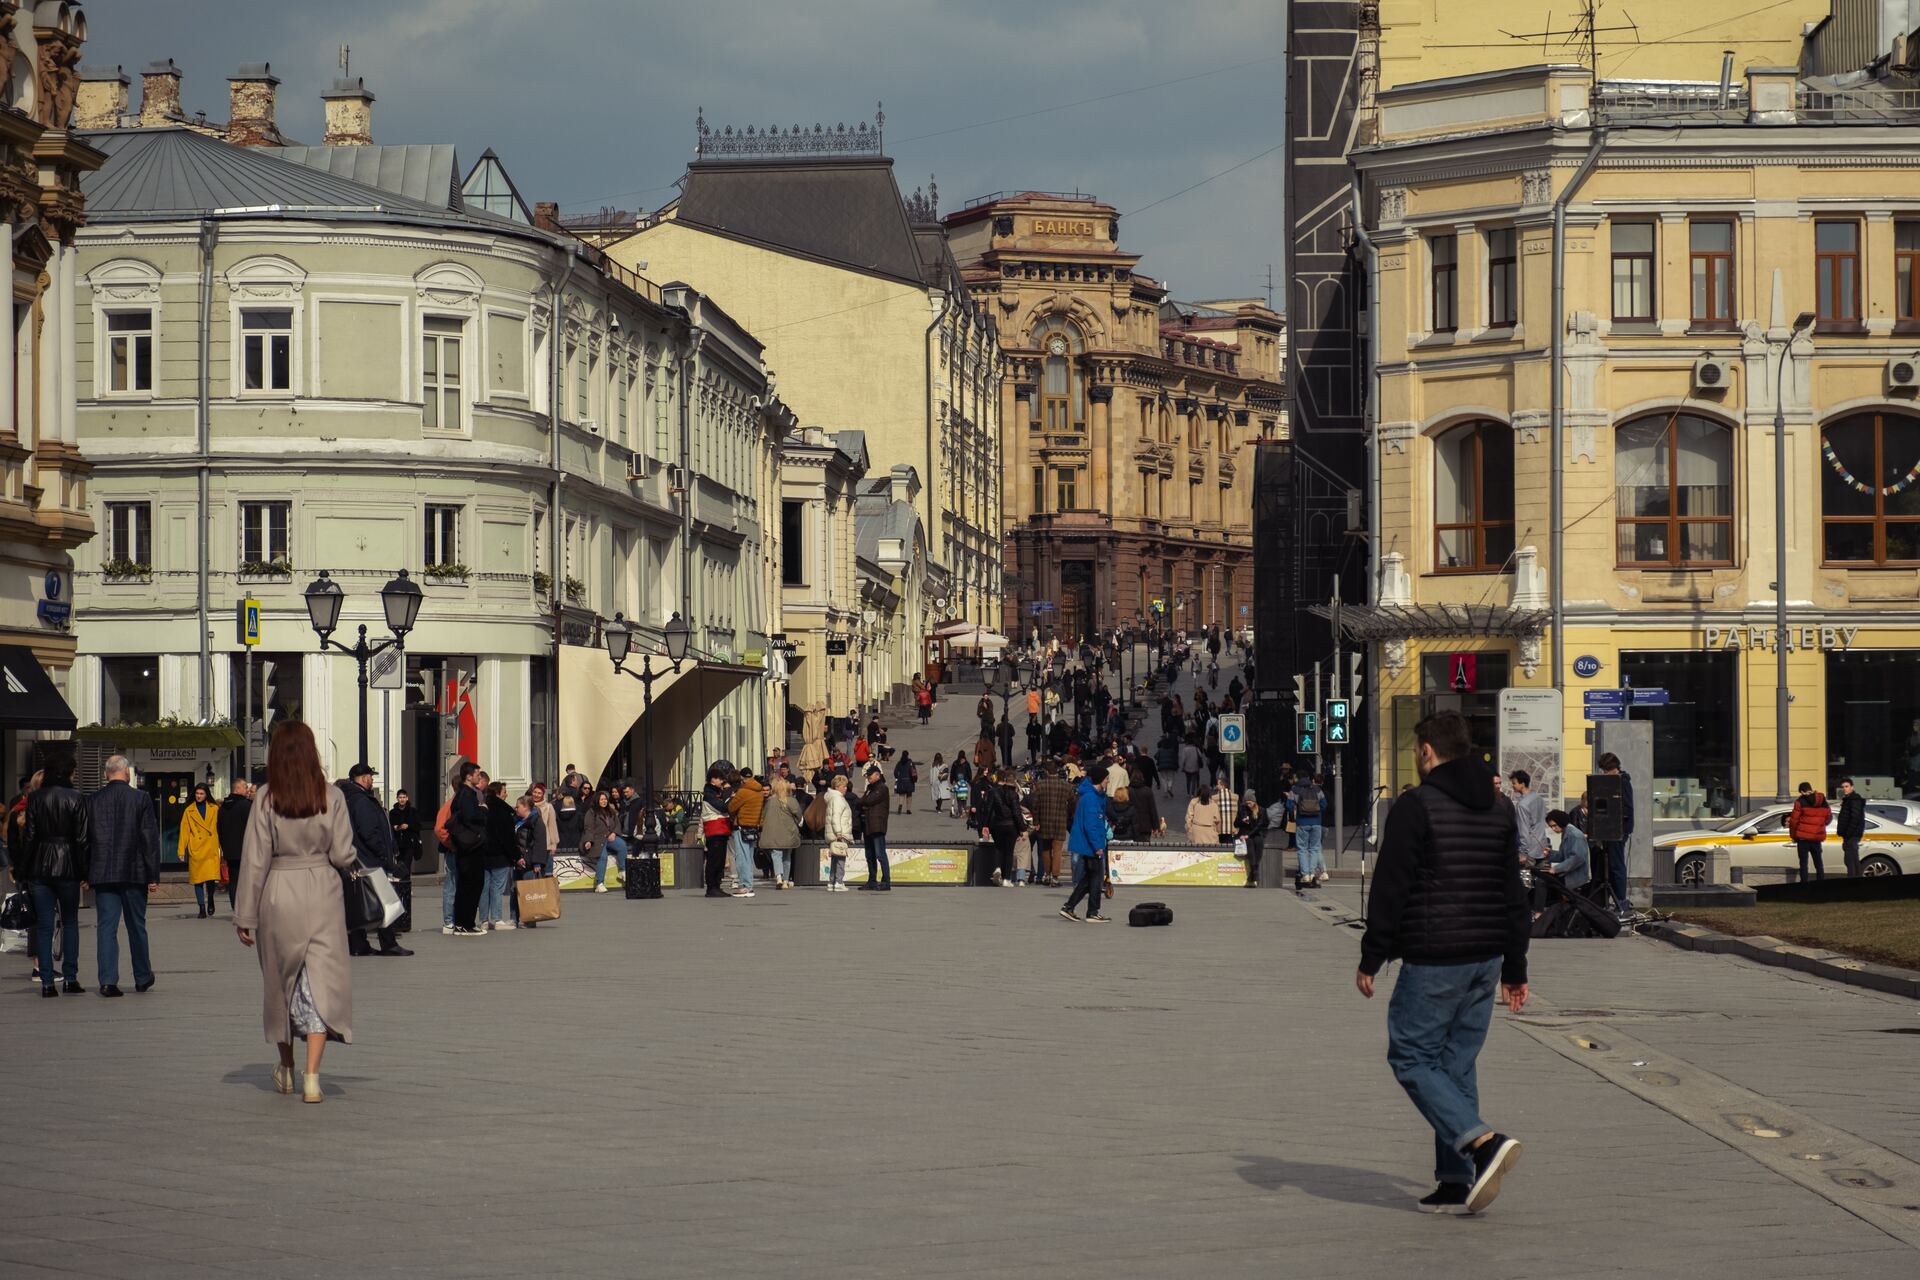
(1781, 697)
(400, 599)
(676, 636)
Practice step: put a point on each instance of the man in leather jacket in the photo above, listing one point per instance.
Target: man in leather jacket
(52, 860)
(123, 868)
(373, 842)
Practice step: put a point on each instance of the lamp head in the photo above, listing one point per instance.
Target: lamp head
(1803, 322)
(678, 636)
(619, 637)
(324, 598)
(401, 599)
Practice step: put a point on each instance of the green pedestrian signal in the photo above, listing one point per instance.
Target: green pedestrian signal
(1336, 722)
(1306, 731)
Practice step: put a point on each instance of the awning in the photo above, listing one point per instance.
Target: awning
(973, 636)
(28, 699)
(599, 706)
(1408, 621)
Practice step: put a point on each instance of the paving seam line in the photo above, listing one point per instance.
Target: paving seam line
(1878, 1186)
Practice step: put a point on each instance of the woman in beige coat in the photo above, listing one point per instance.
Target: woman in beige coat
(1203, 818)
(288, 901)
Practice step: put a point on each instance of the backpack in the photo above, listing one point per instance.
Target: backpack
(1309, 806)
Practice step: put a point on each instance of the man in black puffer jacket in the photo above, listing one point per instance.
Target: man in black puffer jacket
(1448, 904)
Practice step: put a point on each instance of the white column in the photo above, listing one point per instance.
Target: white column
(69, 381)
(7, 386)
(47, 359)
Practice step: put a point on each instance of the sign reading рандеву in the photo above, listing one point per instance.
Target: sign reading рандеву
(1756, 637)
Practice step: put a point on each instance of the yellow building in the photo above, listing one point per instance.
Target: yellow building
(1693, 229)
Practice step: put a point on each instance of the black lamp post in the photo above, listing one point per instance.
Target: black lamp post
(400, 599)
(676, 635)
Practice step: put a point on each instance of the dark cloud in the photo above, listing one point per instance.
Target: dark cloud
(593, 101)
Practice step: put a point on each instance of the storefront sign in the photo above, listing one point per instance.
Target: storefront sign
(1531, 738)
(1463, 672)
(1830, 639)
(1062, 227)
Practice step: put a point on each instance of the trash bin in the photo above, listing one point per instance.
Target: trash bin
(982, 861)
(806, 863)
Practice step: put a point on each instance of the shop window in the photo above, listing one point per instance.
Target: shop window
(1836, 248)
(1444, 254)
(1633, 272)
(1873, 722)
(1870, 490)
(130, 690)
(1503, 274)
(1696, 733)
(1710, 253)
(1673, 486)
(1473, 498)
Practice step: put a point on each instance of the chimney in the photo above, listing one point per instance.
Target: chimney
(252, 91)
(546, 215)
(349, 114)
(159, 94)
(102, 98)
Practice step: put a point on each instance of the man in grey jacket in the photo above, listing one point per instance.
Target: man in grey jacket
(1529, 815)
(123, 869)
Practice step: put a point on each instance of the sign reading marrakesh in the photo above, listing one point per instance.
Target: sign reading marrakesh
(1061, 227)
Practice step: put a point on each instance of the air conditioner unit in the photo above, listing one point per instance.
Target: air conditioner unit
(639, 467)
(1904, 371)
(677, 479)
(1711, 373)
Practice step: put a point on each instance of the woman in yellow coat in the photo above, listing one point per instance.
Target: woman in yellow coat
(200, 849)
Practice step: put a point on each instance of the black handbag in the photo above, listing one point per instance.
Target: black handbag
(17, 911)
(365, 907)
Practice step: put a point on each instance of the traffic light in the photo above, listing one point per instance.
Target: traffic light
(1299, 691)
(1306, 731)
(1356, 677)
(1336, 722)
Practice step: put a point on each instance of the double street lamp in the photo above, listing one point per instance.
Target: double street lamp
(676, 636)
(400, 599)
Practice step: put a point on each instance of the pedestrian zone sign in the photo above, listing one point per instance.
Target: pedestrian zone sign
(1233, 734)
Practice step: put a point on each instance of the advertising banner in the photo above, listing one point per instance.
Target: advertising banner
(1196, 865)
(908, 864)
(577, 873)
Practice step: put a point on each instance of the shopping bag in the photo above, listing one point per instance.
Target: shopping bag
(539, 899)
(370, 897)
(1240, 847)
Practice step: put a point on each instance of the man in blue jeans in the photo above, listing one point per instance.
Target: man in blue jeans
(1087, 842)
(1448, 904)
(123, 869)
(1617, 849)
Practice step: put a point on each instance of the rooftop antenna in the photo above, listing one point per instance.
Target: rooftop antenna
(1269, 286)
(346, 60)
(1584, 35)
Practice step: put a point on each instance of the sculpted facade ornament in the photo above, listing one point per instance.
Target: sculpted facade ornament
(1393, 204)
(1536, 186)
(268, 277)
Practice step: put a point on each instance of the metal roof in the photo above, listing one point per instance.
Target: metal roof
(428, 173)
(178, 172)
(845, 212)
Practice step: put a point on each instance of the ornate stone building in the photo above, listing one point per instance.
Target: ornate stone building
(1126, 422)
(43, 478)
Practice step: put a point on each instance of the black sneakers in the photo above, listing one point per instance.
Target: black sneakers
(1448, 1195)
(1491, 1161)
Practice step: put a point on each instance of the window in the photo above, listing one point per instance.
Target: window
(1446, 264)
(1473, 497)
(793, 544)
(1633, 271)
(266, 349)
(1502, 278)
(130, 690)
(1673, 481)
(129, 351)
(1711, 255)
(263, 535)
(1906, 266)
(1061, 382)
(1836, 251)
(577, 363)
(1039, 491)
(1870, 489)
(1066, 487)
(440, 373)
(130, 532)
(443, 536)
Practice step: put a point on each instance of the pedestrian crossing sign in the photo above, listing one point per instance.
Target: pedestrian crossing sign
(1336, 722)
(1306, 731)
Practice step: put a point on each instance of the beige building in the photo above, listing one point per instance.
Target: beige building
(44, 510)
(851, 287)
(1693, 230)
(1126, 422)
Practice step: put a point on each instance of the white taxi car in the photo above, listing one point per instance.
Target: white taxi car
(1757, 839)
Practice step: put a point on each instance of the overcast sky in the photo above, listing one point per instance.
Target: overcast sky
(593, 101)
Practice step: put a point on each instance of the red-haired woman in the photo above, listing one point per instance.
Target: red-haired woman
(289, 902)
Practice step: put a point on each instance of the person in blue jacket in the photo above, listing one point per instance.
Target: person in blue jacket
(1087, 842)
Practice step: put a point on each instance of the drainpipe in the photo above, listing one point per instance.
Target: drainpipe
(556, 584)
(209, 233)
(1370, 425)
(1556, 447)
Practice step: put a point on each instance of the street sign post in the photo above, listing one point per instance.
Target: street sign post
(1233, 734)
(1605, 704)
(1649, 697)
(246, 620)
(387, 669)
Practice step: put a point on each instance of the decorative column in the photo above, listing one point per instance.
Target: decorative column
(1101, 412)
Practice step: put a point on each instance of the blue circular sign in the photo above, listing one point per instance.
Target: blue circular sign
(1586, 665)
(53, 584)
(1232, 733)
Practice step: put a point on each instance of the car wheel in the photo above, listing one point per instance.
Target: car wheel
(1879, 865)
(1691, 870)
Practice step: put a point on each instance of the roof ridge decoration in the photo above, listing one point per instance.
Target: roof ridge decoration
(839, 140)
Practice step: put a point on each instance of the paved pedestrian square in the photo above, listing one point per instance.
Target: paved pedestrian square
(932, 1082)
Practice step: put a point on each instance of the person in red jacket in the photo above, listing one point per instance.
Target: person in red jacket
(1807, 824)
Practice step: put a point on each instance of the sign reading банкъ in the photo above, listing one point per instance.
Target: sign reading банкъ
(1754, 637)
(1062, 227)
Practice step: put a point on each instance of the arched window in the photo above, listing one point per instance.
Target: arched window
(1473, 497)
(1673, 486)
(1062, 385)
(1870, 489)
